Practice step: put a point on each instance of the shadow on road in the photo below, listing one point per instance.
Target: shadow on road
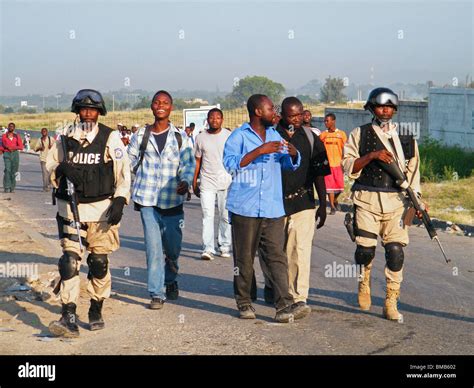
(350, 298)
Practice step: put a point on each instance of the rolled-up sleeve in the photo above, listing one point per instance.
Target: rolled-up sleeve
(54, 157)
(132, 150)
(233, 153)
(351, 153)
(286, 161)
(118, 154)
(187, 163)
(413, 171)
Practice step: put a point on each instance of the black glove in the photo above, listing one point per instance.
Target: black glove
(114, 214)
(70, 172)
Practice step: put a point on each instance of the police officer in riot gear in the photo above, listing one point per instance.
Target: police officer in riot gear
(97, 164)
(379, 204)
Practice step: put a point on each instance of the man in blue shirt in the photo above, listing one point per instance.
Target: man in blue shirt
(254, 154)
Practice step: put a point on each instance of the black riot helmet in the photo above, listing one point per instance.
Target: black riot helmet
(381, 96)
(88, 98)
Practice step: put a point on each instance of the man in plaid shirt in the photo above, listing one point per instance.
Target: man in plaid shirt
(162, 181)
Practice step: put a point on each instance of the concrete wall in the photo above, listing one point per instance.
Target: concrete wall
(451, 116)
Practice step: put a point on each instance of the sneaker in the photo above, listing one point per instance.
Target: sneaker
(156, 303)
(268, 295)
(172, 291)
(301, 310)
(246, 312)
(225, 254)
(333, 211)
(285, 315)
(338, 207)
(207, 256)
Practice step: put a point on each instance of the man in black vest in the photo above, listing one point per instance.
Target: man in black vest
(97, 165)
(379, 204)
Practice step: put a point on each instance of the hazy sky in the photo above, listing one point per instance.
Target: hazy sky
(62, 46)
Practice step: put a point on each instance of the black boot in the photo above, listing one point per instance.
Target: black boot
(67, 325)
(95, 315)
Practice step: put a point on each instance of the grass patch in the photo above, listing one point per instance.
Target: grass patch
(451, 200)
(440, 163)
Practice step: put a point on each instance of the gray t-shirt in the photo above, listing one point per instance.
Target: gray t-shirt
(210, 148)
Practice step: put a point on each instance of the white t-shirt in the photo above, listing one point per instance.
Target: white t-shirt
(210, 148)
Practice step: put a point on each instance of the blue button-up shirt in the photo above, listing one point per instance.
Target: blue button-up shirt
(256, 189)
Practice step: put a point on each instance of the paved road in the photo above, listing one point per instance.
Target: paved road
(438, 306)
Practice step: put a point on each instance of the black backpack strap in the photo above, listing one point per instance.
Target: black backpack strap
(179, 139)
(141, 151)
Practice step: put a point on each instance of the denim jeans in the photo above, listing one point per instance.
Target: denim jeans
(224, 237)
(162, 233)
(268, 234)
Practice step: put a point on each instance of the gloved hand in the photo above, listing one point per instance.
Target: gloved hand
(70, 172)
(115, 211)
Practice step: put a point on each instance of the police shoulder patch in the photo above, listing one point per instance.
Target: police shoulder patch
(118, 153)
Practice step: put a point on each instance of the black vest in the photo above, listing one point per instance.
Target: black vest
(98, 181)
(373, 178)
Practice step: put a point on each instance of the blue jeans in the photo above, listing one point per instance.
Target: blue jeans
(162, 233)
(224, 237)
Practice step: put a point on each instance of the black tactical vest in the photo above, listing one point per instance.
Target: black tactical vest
(373, 178)
(98, 181)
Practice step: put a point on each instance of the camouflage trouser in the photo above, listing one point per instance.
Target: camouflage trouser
(96, 237)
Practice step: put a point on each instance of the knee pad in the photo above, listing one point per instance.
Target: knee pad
(394, 256)
(98, 265)
(364, 255)
(67, 265)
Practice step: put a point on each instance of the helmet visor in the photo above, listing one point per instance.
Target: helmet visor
(386, 98)
(92, 95)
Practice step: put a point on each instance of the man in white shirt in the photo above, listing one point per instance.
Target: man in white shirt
(214, 182)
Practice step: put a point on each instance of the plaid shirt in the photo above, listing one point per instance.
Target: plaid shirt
(158, 176)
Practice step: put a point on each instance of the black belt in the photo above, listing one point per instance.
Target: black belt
(298, 193)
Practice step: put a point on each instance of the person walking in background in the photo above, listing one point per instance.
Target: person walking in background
(307, 116)
(214, 182)
(43, 146)
(11, 145)
(334, 140)
(27, 141)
